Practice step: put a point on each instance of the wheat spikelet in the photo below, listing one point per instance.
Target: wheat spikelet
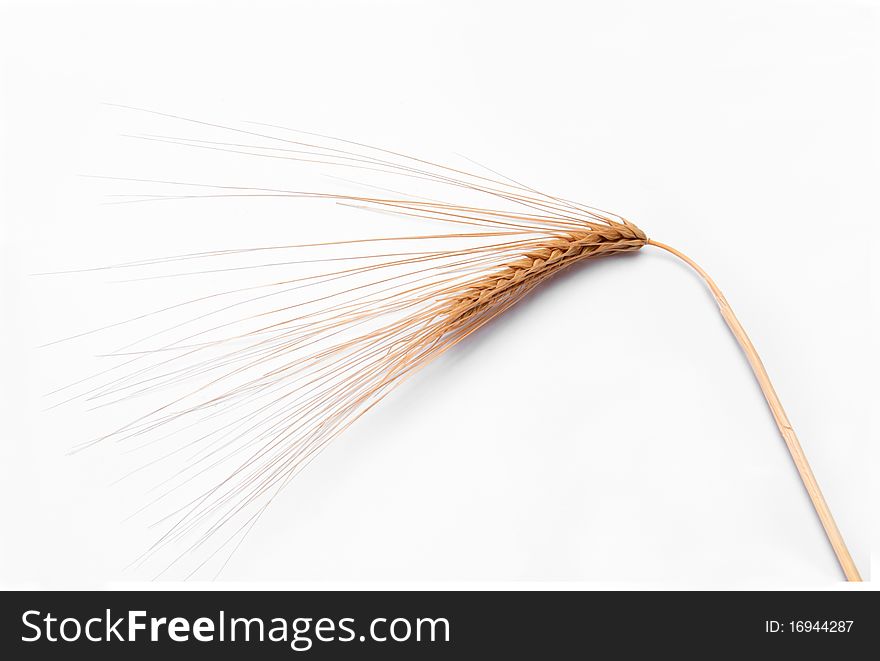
(546, 259)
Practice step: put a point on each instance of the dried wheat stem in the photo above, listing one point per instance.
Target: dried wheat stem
(788, 435)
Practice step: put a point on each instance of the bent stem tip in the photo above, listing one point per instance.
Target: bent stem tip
(788, 435)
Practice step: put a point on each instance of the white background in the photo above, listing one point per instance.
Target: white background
(608, 432)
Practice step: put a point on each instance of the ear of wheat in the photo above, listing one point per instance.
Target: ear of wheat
(263, 394)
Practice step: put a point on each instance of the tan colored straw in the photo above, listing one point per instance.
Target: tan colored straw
(791, 440)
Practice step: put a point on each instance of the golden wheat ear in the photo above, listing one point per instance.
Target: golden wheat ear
(309, 353)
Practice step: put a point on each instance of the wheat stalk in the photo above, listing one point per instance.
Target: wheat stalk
(275, 386)
(785, 429)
